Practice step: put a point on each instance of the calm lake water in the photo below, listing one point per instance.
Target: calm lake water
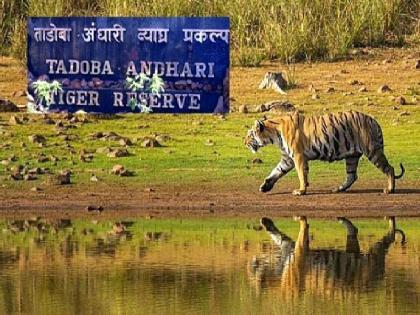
(208, 267)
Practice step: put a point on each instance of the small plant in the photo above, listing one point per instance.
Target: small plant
(44, 91)
(141, 82)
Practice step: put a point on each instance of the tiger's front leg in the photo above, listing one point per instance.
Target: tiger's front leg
(285, 165)
(302, 169)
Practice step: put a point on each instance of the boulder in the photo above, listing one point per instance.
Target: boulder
(384, 89)
(275, 81)
(8, 106)
(280, 107)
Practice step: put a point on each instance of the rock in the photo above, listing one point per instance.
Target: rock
(280, 106)
(36, 189)
(15, 121)
(363, 89)
(95, 136)
(5, 162)
(384, 89)
(125, 142)
(312, 89)
(94, 208)
(256, 161)
(149, 189)
(385, 61)
(116, 153)
(37, 139)
(104, 150)
(275, 81)
(330, 90)
(28, 177)
(261, 108)
(243, 109)
(209, 142)
(315, 96)
(150, 143)
(63, 178)
(163, 138)
(120, 171)
(42, 158)
(355, 82)
(8, 106)
(94, 178)
(344, 71)
(400, 100)
(404, 113)
(117, 169)
(16, 176)
(416, 66)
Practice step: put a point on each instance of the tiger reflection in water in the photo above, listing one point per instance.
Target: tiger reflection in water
(296, 267)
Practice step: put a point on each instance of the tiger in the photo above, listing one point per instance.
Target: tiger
(330, 137)
(293, 265)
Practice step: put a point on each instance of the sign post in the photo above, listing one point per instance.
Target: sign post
(92, 57)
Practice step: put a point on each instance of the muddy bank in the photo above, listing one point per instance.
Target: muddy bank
(205, 202)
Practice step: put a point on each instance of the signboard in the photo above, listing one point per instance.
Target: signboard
(92, 57)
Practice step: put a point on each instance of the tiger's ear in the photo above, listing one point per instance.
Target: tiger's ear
(259, 125)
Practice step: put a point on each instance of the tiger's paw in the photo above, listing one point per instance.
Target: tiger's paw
(266, 186)
(389, 191)
(298, 192)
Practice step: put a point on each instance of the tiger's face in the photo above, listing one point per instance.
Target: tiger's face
(255, 137)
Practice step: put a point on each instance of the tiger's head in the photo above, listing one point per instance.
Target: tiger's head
(259, 136)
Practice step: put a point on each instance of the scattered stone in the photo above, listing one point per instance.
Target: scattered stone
(163, 138)
(209, 143)
(16, 176)
(312, 88)
(243, 109)
(150, 143)
(417, 66)
(385, 61)
(149, 189)
(256, 161)
(42, 158)
(404, 113)
(8, 106)
(125, 142)
(94, 209)
(121, 171)
(37, 170)
(36, 189)
(63, 178)
(344, 71)
(275, 81)
(5, 162)
(355, 82)
(280, 107)
(15, 121)
(94, 178)
(347, 93)
(37, 139)
(117, 169)
(363, 89)
(95, 136)
(104, 150)
(29, 177)
(400, 100)
(384, 89)
(119, 152)
(261, 108)
(330, 90)
(395, 108)
(315, 96)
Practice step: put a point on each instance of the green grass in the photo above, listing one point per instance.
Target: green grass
(186, 159)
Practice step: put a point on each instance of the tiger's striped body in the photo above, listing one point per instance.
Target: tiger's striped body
(331, 137)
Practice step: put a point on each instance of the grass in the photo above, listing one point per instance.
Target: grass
(186, 160)
(261, 30)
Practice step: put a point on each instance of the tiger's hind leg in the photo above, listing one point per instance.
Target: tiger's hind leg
(379, 159)
(351, 169)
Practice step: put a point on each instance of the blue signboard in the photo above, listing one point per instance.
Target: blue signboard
(92, 58)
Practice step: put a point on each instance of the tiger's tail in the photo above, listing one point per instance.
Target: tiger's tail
(402, 172)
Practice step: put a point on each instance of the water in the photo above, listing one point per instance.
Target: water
(207, 267)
